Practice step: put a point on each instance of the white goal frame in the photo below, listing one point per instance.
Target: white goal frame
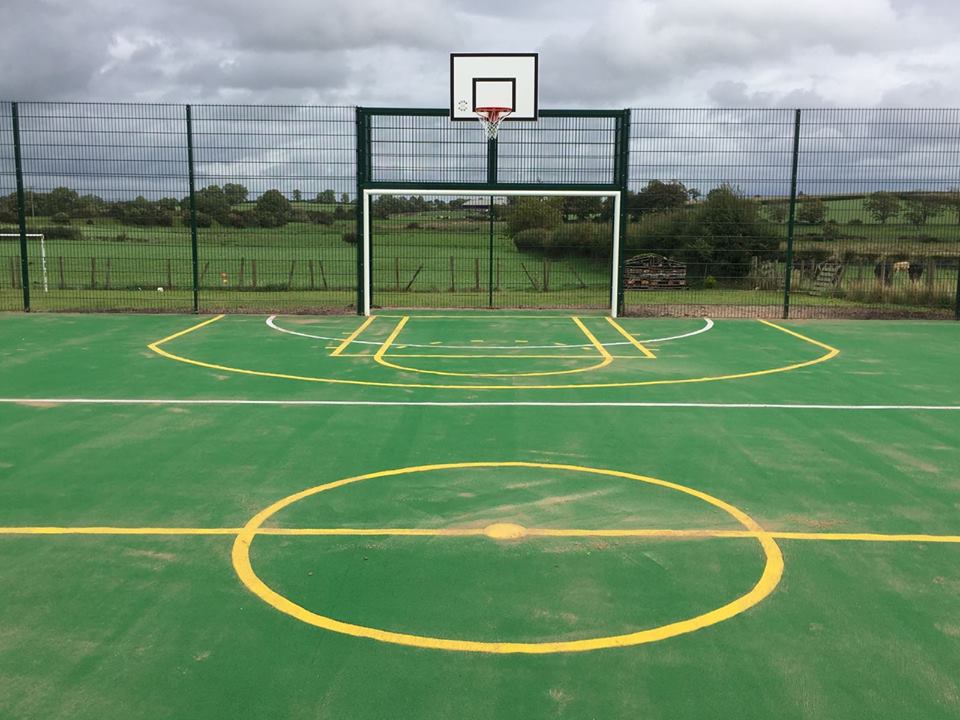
(43, 253)
(370, 193)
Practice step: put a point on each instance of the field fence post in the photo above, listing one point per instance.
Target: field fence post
(194, 254)
(791, 217)
(21, 209)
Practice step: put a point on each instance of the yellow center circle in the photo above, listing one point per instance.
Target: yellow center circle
(769, 578)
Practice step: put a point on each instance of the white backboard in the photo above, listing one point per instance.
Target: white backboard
(493, 80)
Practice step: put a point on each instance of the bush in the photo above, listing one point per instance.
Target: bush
(320, 217)
(709, 282)
(349, 237)
(61, 218)
(533, 212)
(60, 232)
(413, 225)
(532, 240)
(719, 236)
(831, 231)
(581, 239)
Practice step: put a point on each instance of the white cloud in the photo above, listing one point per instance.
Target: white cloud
(609, 53)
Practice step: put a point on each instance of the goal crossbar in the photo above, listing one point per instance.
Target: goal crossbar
(615, 195)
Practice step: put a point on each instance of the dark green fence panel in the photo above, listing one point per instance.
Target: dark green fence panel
(11, 297)
(878, 231)
(103, 185)
(275, 188)
(698, 241)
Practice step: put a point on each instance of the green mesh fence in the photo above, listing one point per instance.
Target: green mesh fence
(749, 212)
(273, 191)
(11, 296)
(717, 229)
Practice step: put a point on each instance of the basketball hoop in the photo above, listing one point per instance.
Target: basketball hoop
(490, 118)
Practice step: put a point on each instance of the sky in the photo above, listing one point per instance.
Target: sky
(603, 53)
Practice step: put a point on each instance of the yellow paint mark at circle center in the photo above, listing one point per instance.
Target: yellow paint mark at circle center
(505, 531)
(769, 578)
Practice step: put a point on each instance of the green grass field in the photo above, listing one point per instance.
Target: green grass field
(443, 515)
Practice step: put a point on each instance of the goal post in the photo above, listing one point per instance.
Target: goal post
(368, 195)
(43, 253)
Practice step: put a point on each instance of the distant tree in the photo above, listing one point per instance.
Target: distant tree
(8, 208)
(213, 202)
(582, 208)
(143, 212)
(922, 207)
(273, 209)
(345, 199)
(327, 196)
(90, 206)
(297, 196)
(61, 200)
(657, 196)
(882, 206)
(61, 218)
(812, 210)
(235, 193)
(533, 212)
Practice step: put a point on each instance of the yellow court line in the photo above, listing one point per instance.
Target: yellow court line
(633, 341)
(155, 347)
(353, 336)
(471, 356)
(480, 531)
(379, 357)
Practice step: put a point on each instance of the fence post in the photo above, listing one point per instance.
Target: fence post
(21, 210)
(361, 160)
(490, 259)
(623, 182)
(788, 273)
(194, 254)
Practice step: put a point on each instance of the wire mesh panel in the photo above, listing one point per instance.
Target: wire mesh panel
(566, 150)
(103, 184)
(878, 213)
(491, 251)
(699, 240)
(275, 212)
(11, 297)
(420, 148)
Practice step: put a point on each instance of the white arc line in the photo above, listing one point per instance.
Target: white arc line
(271, 322)
(479, 403)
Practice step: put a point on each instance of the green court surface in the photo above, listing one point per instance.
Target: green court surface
(478, 516)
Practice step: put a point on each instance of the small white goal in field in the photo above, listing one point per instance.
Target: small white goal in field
(43, 253)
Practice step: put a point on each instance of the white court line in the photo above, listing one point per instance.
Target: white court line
(479, 403)
(708, 324)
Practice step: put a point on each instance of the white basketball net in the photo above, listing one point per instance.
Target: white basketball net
(490, 119)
